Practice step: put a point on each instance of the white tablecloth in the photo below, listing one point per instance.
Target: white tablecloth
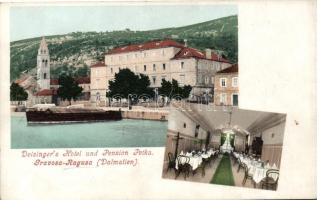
(194, 161)
(208, 154)
(257, 172)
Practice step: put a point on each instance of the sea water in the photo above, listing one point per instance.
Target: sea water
(123, 133)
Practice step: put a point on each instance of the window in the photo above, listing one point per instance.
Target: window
(164, 77)
(223, 82)
(218, 66)
(184, 125)
(154, 79)
(164, 66)
(182, 65)
(181, 79)
(212, 80)
(163, 53)
(111, 70)
(206, 80)
(235, 82)
(44, 75)
(223, 98)
(154, 67)
(144, 68)
(144, 54)
(200, 78)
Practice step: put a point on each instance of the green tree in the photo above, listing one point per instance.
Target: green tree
(82, 71)
(186, 91)
(17, 93)
(166, 88)
(69, 88)
(171, 89)
(126, 83)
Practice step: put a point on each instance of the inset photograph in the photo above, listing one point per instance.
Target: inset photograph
(224, 145)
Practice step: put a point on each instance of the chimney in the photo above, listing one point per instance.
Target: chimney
(208, 53)
(185, 42)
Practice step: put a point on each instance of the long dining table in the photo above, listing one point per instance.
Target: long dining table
(195, 159)
(256, 168)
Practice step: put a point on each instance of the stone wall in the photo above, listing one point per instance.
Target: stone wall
(148, 115)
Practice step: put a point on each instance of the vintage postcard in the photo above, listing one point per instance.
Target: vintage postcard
(148, 100)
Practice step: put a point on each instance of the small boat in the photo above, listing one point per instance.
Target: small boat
(53, 115)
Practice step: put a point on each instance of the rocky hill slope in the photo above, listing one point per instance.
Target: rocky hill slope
(82, 48)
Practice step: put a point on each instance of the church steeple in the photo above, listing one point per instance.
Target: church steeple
(43, 65)
(43, 47)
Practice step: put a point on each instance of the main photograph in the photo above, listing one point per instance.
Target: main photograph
(107, 76)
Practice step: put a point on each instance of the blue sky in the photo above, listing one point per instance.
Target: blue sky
(28, 22)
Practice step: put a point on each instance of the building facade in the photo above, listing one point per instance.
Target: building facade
(227, 86)
(166, 59)
(46, 87)
(43, 66)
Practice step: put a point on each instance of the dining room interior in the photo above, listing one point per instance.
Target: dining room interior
(224, 145)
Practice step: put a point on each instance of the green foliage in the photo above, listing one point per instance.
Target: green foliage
(173, 90)
(126, 82)
(82, 71)
(166, 88)
(221, 34)
(70, 70)
(17, 93)
(69, 88)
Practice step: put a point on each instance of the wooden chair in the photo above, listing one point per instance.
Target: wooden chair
(202, 166)
(183, 167)
(171, 162)
(269, 182)
(208, 160)
(247, 175)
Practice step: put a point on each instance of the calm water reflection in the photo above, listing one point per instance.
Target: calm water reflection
(124, 133)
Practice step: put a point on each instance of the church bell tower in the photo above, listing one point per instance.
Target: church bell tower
(43, 66)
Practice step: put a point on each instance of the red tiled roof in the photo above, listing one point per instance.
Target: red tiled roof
(98, 64)
(46, 92)
(187, 52)
(83, 80)
(145, 46)
(54, 81)
(233, 69)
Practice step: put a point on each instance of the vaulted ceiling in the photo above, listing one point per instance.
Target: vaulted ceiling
(241, 121)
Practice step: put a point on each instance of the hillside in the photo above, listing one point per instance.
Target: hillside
(81, 48)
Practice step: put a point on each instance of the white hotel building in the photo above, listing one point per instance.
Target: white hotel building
(166, 59)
